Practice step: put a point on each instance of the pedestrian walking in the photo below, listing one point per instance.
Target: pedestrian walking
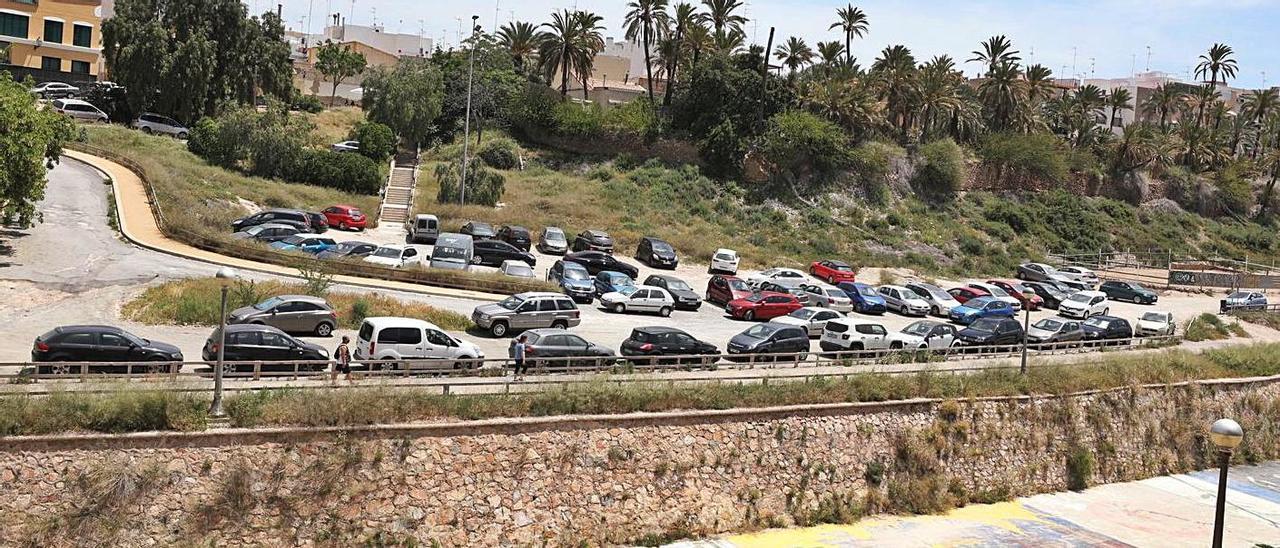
(517, 355)
(342, 360)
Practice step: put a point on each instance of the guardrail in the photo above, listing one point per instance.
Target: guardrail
(1236, 309)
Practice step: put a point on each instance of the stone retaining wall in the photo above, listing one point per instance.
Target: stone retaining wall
(604, 480)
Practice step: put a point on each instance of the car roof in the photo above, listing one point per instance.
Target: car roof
(654, 239)
(789, 283)
(666, 277)
(774, 294)
(898, 287)
(539, 294)
(570, 265)
(824, 286)
(512, 262)
(654, 329)
(544, 331)
(1107, 318)
(836, 262)
(515, 227)
(310, 235)
(70, 101)
(282, 210)
(235, 328)
(307, 298)
(344, 206)
(424, 216)
(396, 247)
(613, 274)
(380, 322)
(272, 225)
(1093, 293)
(726, 250)
(848, 320)
(88, 328)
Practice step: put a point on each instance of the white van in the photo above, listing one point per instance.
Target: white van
(391, 338)
(423, 229)
(452, 251)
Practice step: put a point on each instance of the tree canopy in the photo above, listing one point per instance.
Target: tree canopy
(406, 98)
(30, 141)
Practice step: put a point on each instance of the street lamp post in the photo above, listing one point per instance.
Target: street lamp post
(225, 276)
(1026, 324)
(1226, 434)
(466, 124)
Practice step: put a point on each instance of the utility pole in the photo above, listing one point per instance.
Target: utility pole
(496, 3)
(466, 124)
(1148, 58)
(1074, 72)
(764, 77)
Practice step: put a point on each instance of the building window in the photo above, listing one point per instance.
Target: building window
(80, 67)
(51, 63)
(82, 35)
(53, 31)
(13, 25)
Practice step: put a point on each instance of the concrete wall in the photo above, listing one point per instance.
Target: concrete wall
(601, 480)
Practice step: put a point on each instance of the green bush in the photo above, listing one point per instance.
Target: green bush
(306, 103)
(1233, 192)
(1025, 159)
(801, 146)
(377, 141)
(501, 153)
(484, 185)
(346, 172)
(1079, 468)
(941, 168)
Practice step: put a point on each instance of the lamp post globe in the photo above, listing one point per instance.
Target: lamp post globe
(1226, 434)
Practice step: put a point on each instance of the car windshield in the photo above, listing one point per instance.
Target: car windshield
(836, 293)
(678, 285)
(269, 303)
(294, 240)
(617, 279)
(725, 257)
(755, 298)
(1080, 298)
(628, 290)
(346, 247)
(803, 314)
(738, 285)
(987, 325)
(1154, 317)
(918, 328)
(387, 252)
(1097, 322)
(662, 246)
(481, 229)
(1019, 288)
(996, 291)
(978, 302)
(554, 235)
(866, 291)
(1048, 324)
(1238, 295)
(519, 269)
(575, 274)
(841, 267)
(760, 331)
(449, 253)
(511, 303)
(353, 212)
(254, 230)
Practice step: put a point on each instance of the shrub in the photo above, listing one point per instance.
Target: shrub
(800, 145)
(1233, 192)
(484, 185)
(306, 103)
(377, 141)
(1025, 159)
(941, 169)
(346, 172)
(1079, 468)
(501, 153)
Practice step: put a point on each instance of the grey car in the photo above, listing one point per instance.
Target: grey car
(291, 314)
(270, 232)
(552, 241)
(1055, 331)
(544, 346)
(794, 286)
(1036, 272)
(530, 310)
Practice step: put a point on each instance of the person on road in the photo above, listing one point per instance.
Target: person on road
(517, 355)
(342, 360)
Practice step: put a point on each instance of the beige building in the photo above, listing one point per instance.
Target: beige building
(611, 82)
(54, 36)
(380, 48)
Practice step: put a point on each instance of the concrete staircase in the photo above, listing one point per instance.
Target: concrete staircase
(397, 197)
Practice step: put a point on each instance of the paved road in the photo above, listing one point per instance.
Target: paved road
(1166, 511)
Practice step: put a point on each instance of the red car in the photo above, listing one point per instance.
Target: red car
(833, 272)
(963, 294)
(722, 289)
(1015, 289)
(345, 217)
(765, 305)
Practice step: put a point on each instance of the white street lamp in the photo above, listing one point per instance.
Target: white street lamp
(1226, 434)
(226, 275)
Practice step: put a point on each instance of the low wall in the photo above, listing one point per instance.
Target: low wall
(605, 480)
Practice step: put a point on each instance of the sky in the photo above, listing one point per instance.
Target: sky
(1103, 39)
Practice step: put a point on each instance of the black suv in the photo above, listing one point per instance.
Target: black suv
(319, 224)
(656, 342)
(100, 343)
(517, 236)
(769, 338)
(478, 230)
(1107, 330)
(598, 261)
(686, 298)
(593, 240)
(1117, 290)
(656, 253)
(292, 217)
(991, 332)
(493, 252)
(256, 342)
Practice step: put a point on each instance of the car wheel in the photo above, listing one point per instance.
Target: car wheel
(324, 329)
(749, 315)
(619, 308)
(146, 130)
(665, 311)
(60, 369)
(342, 225)
(182, 135)
(559, 324)
(895, 345)
(498, 329)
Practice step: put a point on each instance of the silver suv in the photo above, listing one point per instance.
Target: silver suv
(527, 311)
(290, 313)
(164, 125)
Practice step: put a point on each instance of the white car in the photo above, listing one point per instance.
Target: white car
(345, 146)
(940, 302)
(516, 269)
(639, 298)
(149, 122)
(1079, 274)
(391, 338)
(394, 256)
(843, 334)
(828, 296)
(1155, 324)
(54, 90)
(775, 273)
(904, 301)
(725, 260)
(924, 335)
(812, 318)
(79, 110)
(999, 293)
(1084, 304)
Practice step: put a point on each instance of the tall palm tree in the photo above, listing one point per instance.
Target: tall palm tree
(684, 19)
(1163, 101)
(520, 39)
(1218, 60)
(590, 42)
(794, 53)
(829, 53)
(1119, 99)
(1257, 108)
(1003, 94)
(720, 14)
(648, 20)
(1199, 100)
(729, 41)
(995, 51)
(894, 74)
(558, 46)
(853, 21)
(1039, 84)
(939, 94)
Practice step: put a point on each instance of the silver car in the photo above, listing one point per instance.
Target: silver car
(812, 318)
(290, 313)
(794, 286)
(903, 300)
(552, 241)
(79, 110)
(527, 311)
(828, 296)
(154, 123)
(940, 302)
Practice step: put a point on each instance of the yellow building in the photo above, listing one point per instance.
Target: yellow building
(52, 35)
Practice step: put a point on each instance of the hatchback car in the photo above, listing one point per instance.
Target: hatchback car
(812, 318)
(268, 233)
(345, 146)
(998, 293)
(256, 342)
(555, 348)
(530, 310)
(1025, 296)
(1107, 330)
(79, 110)
(787, 285)
(150, 123)
(99, 343)
(516, 269)
(599, 261)
(1117, 290)
(291, 217)
(981, 307)
(1002, 332)
(656, 253)
(394, 256)
(574, 280)
(345, 217)
(639, 298)
(940, 302)
(593, 240)
(494, 252)
(775, 341)
(1036, 272)
(1050, 294)
(963, 294)
(517, 236)
(924, 335)
(853, 334)
(609, 282)
(864, 297)
(685, 298)
(349, 250)
(832, 271)
(1154, 324)
(1244, 300)
(721, 289)
(754, 280)
(552, 241)
(478, 231)
(903, 301)
(1055, 332)
(724, 261)
(291, 314)
(1079, 274)
(307, 243)
(827, 296)
(764, 305)
(652, 345)
(1084, 304)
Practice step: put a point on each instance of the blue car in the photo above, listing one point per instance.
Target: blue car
(574, 280)
(610, 281)
(310, 243)
(865, 298)
(981, 307)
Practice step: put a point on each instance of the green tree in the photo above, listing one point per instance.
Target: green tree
(793, 53)
(801, 147)
(337, 62)
(406, 98)
(853, 21)
(1118, 100)
(995, 51)
(377, 141)
(1220, 59)
(521, 42)
(29, 145)
(720, 15)
(829, 54)
(646, 19)
(895, 76)
(484, 185)
(1163, 102)
(558, 47)
(940, 170)
(590, 42)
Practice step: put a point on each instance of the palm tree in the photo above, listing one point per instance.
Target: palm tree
(1257, 108)
(1219, 60)
(995, 51)
(1119, 99)
(853, 21)
(829, 53)
(1003, 94)
(1201, 99)
(589, 43)
(720, 15)
(894, 73)
(1271, 165)
(1163, 101)
(648, 20)
(794, 54)
(558, 48)
(1039, 84)
(520, 39)
(729, 41)
(939, 93)
(847, 102)
(685, 20)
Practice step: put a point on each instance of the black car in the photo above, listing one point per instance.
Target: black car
(656, 253)
(299, 219)
(1050, 293)
(686, 298)
(593, 240)
(1107, 330)
(544, 346)
(100, 343)
(517, 236)
(349, 250)
(1117, 290)
(493, 252)
(655, 342)
(256, 342)
(769, 338)
(319, 224)
(991, 332)
(599, 261)
(478, 230)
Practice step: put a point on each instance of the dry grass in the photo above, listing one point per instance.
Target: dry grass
(334, 124)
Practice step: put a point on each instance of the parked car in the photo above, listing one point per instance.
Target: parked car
(1117, 290)
(865, 299)
(424, 229)
(1107, 330)
(599, 261)
(656, 253)
(924, 335)
(394, 256)
(478, 231)
(940, 302)
(291, 314)
(827, 296)
(291, 217)
(345, 217)
(516, 269)
(99, 343)
(785, 342)
(610, 281)
(764, 305)
(1055, 332)
(309, 243)
(994, 291)
(832, 271)
(724, 261)
(721, 289)
(685, 298)
(1244, 300)
(54, 90)
(812, 318)
(517, 236)
(1050, 293)
(79, 110)
(652, 344)
(1036, 272)
(1155, 324)
(1079, 274)
(391, 338)
(494, 252)
(754, 280)
(1026, 297)
(556, 347)
(552, 241)
(352, 249)
(787, 285)
(527, 311)
(981, 307)
(639, 298)
(593, 240)
(150, 122)
(268, 233)
(991, 331)
(574, 280)
(319, 224)
(256, 342)
(964, 294)
(1084, 304)
(452, 251)
(345, 146)
(903, 301)
(852, 334)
